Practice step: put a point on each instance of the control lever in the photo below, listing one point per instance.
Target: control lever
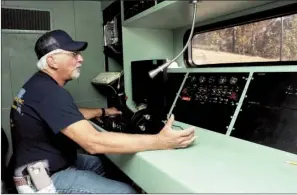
(142, 127)
(147, 116)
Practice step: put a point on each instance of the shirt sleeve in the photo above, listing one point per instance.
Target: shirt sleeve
(59, 111)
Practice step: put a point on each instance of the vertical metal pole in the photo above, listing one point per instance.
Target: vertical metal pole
(177, 95)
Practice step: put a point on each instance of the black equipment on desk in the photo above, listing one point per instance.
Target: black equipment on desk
(146, 91)
(111, 85)
(151, 93)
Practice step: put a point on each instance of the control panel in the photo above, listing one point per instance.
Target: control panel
(142, 122)
(208, 100)
(148, 94)
(213, 89)
(269, 112)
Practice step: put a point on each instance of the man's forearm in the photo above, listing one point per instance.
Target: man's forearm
(95, 142)
(111, 142)
(89, 113)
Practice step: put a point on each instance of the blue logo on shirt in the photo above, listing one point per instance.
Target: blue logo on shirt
(19, 101)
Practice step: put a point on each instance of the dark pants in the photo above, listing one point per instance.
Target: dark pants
(88, 177)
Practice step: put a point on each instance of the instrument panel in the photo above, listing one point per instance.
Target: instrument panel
(212, 89)
(208, 100)
(269, 112)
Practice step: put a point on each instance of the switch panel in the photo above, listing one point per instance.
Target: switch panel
(208, 100)
(269, 113)
(213, 89)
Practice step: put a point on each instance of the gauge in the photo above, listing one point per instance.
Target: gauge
(211, 80)
(233, 80)
(202, 79)
(222, 80)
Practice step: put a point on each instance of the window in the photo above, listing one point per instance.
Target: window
(271, 40)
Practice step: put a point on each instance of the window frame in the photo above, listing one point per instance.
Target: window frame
(242, 20)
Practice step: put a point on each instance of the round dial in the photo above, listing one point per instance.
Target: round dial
(233, 80)
(202, 79)
(222, 80)
(211, 80)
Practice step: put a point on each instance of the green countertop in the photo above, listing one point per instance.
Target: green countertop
(215, 163)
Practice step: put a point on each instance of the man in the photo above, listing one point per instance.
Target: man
(46, 124)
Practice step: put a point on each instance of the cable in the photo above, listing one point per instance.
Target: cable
(191, 34)
(112, 89)
(154, 72)
(178, 127)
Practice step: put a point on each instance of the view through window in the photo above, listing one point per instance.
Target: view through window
(264, 41)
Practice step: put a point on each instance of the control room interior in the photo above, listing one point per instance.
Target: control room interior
(231, 72)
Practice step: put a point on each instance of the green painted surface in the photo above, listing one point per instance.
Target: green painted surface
(22, 59)
(6, 95)
(215, 163)
(176, 14)
(89, 30)
(90, 103)
(283, 68)
(114, 66)
(144, 44)
(147, 19)
(105, 4)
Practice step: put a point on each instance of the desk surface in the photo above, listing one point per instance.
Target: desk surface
(215, 163)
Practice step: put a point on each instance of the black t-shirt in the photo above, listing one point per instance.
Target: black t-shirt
(39, 112)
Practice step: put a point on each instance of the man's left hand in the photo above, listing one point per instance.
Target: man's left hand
(112, 111)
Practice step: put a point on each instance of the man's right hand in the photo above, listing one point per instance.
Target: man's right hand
(95, 142)
(171, 139)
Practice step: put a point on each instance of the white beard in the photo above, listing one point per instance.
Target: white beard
(76, 72)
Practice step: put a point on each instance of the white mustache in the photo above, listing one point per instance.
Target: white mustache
(78, 66)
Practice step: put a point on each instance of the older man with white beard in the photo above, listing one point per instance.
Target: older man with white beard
(46, 126)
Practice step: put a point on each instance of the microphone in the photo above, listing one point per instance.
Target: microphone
(156, 71)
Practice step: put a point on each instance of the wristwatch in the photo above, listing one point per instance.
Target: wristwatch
(103, 112)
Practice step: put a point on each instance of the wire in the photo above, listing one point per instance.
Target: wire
(112, 89)
(178, 127)
(190, 36)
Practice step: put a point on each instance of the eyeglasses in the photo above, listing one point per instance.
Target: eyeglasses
(73, 54)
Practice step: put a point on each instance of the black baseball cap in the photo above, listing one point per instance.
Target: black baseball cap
(57, 39)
